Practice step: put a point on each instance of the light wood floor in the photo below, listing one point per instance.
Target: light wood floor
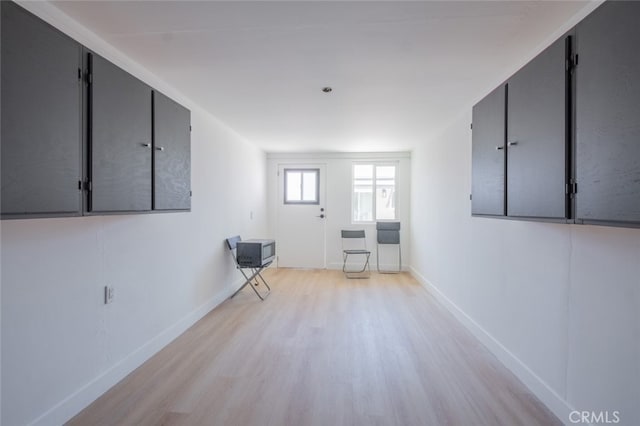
(322, 350)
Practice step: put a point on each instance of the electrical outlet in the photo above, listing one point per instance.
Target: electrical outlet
(109, 294)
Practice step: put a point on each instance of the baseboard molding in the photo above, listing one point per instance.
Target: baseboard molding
(338, 266)
(79, 400)
(536, 385)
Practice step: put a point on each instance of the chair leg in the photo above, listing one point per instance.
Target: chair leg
(263, 280)
(389, 271)
(249, 281)
(356, 274)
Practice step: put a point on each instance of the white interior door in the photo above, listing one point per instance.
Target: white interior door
(301, 216)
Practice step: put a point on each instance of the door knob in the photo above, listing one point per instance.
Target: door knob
(321, 216)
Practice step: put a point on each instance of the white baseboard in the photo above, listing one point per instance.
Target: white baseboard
(80, 399)
(386, 267)
(533, 382)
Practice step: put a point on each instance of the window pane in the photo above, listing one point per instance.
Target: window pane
(385, 192)
(363, 206)
(385, 203)
(363, 171)
(385, 172)
(293, 183)
(374, 192)
(301, 186)
(309, 186)
(362, 193)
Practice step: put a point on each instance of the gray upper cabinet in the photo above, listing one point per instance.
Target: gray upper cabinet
(78, 133)
(171, 154)
(488, 155)
(526, 176)
(120, 139)
(537, 137)
(41, 118)
(573, 128)
(607, 114)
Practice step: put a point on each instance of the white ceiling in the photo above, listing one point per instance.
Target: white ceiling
(400, 71)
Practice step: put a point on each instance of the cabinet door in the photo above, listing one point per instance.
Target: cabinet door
(120, 164)
(537, 137)
(41, 118)
(172, 154)
(608, 114)
(488, 155)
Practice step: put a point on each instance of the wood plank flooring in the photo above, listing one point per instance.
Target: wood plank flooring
(323, 350)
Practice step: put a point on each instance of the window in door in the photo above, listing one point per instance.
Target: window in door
(374, 193)
(301, 186)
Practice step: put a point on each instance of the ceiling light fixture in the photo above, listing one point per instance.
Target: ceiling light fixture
(327, 89)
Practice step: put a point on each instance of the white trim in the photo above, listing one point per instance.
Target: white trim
(532, 381)
(363, 156)
(337, 266)
(80, 399)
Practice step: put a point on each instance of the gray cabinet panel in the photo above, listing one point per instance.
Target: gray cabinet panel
(120, 163)
(536, 137)
(171, 155)
(488, 155)
(608, 114)
(41, 117)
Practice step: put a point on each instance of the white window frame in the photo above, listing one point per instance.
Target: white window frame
(375, 164)
(302, 171)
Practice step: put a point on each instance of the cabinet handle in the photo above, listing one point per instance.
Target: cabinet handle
(160, 148)
(512, 144)
(146, 145)
(499, 148)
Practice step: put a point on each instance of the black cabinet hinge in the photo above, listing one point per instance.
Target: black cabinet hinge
(86, 185)
(571, 188)
(190, 193)
(470, 196)
(471, 126)
(88, 77)
(79, 74)
(190, 128)
(571, 63)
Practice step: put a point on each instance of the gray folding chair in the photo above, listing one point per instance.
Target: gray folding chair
(254, 273)
(354, 243)
(388, 234)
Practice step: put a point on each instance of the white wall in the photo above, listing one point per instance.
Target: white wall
(338, 203)
(558, 304)
(61, 346)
